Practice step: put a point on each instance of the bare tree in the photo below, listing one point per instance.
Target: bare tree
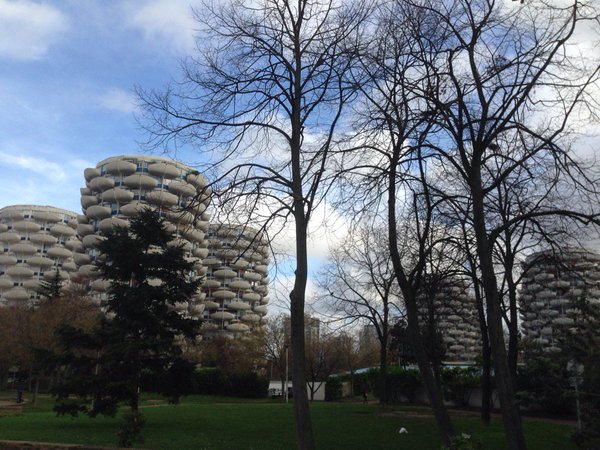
(360, 288)
(275, 345)
(268, 91)
(502, 95)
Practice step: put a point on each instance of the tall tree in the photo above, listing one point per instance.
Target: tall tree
(139, 336)
(360, 288)
(268, 90)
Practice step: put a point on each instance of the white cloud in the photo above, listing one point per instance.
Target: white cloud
(165, 22)
(29, 29)
(40, 166)
(119, 100)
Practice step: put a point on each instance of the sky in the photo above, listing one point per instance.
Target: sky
(68, 70)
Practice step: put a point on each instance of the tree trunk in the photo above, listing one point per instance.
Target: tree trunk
(434, 390)
(36, 389)
(383, 385)
(304, 433)
(510, 412)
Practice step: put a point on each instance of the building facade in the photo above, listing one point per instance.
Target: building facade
(236, 281)
(551, 283)
(118, 188)
(37, 241)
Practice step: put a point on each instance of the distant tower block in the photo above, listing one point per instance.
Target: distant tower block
(236, 284)
(551, 283)
(36, 241)
(118, 188)
(455, 316)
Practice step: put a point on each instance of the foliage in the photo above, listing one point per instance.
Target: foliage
(543, 384)
(131, 429)
(463, 442)
(216, 381)
(105, 367)
(333, 389)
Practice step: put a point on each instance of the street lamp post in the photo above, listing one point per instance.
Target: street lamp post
(286, 374)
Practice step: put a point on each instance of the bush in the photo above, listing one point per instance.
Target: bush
(333, 389)
(215, 381)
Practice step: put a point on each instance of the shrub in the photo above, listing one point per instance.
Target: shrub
(333, 389)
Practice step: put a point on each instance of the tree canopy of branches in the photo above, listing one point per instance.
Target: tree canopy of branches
(268, 90)
(360, 287)
(138, 339)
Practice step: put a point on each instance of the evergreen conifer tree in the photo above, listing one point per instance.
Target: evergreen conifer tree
(136, 343)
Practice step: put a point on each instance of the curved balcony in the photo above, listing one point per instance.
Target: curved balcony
(33, 285)
(261, 289)
(82, 219)
(209, 304)
(262, 269)
(88, 200)
(200, 252)
(252, 276)
(182, 188)
(161, 198)
(264, 300)
(208, 326)
(212, 261)
(72, 223)
(6, 283)
(98, 212)
(26, 226)
(9, 237)
(239, 284)
(22, 249)
(74, 245)
(224, 273)
(260, 309)
(238, 327)
(164, 170)
(181, 243)
(197, 180)
(3, 227)
(196, 207)
(19, 272)
(193, 235)
(84, 229)
(140, 181)
(40, 261)
(59, 252)
(202, 225)
(85, 191)
(211, 284)
(7, 260)
(120, 167)
(101, 184)
(227, 253)
(109, 224)
(69, 267)
(238, 306)
(180, 306)
(251, 296)
(249, 317)
(16, 294)
(88, 270)
(239, 263)
(43, 239)
(222, 315)
(224, 294)
(180, 217)
(117, 195)
(133, 209)
(60, 230)
(92, 240)
(90, 173)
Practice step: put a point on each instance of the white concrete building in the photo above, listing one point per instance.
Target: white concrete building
(119, 187)
(35, 242)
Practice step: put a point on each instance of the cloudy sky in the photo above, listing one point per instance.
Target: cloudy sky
(67, 73)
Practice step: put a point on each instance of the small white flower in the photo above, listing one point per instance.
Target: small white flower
(466, 436)
(403, 430)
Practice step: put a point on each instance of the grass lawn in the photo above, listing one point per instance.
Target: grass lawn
(219, 423)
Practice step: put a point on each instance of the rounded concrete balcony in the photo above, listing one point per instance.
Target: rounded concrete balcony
(33, 285)
(117, 195)
(7, 260)
(120, 167)
(212, 284)
(19, 272)
(238, 306)
(88, 200)
(91, 173)
(10, 237)
(164, 170)
(43, 239)
(25, 226)
(98, 212)
(224, 273)
(40, 261)
(140, 181)
(180, 217)
(101, 184)
(225, 294)
(222, 315)
(237, 327)
(249, 317)
(209, 304)
(6, 283)
(133, 209)
(22, 249)
(16, 294)
(182, 188)
(108, 225)
(59, 252)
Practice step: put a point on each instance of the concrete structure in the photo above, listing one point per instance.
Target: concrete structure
(236, 282)
(551, 282)
(455, 317)
(121, 186)
(35, 242)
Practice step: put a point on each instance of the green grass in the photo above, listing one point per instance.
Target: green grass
(223, 423)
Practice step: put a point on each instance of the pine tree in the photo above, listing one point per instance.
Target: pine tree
(136, 343)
